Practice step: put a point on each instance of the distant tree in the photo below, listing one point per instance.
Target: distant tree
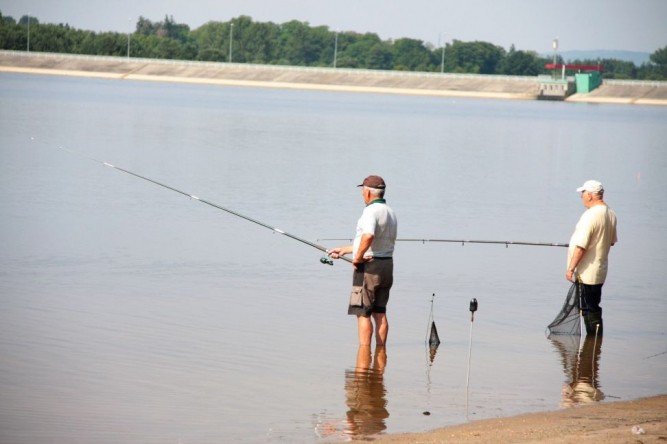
(618, 69)
(254, 42)
(659, 58)
(302, 45)
(50, 38)
(380, 56)
(110, 43)
(146, 27)
(86, 43)
(7, 19)
(411, 55)
(210, 38)
(611, 68)
(23, 21)
(177, 31)
(521, 63)
(363, 51)
(473, 57)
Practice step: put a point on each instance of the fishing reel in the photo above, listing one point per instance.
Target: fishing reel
(326, 260)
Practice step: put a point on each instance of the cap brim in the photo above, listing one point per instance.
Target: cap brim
(580, 189)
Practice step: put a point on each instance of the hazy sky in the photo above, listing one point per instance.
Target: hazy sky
(634, 25)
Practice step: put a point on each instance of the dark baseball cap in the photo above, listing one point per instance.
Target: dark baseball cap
(373, 182)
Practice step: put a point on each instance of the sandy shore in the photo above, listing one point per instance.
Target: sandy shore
(604, 422)
(322, 79)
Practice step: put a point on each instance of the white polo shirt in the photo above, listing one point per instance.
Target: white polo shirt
(379, 220)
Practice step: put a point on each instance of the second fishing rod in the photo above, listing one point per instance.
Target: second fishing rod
(468, 241)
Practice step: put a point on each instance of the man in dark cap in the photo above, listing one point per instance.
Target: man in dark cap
(372, 253)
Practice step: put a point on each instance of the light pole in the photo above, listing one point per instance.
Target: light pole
(554, 45)
(28, 32)
(335, 49)
(231, 39)
(442, 61)
(129, 20)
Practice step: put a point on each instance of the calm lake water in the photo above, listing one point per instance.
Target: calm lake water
(129, 313)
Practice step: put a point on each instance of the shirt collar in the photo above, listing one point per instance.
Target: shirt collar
(383, 201)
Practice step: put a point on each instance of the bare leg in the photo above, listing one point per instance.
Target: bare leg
(381, 328)
(365, 330)
(363, 359)
(380, 359)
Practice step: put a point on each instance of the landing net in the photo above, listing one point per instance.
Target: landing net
(567, 321)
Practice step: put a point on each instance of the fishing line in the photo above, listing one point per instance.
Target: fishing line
(324, 260)
(593, 376)
(469, 241)
(653, 356)
(432, 338)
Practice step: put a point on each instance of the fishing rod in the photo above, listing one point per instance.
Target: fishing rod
(324, 260)
(466, 241)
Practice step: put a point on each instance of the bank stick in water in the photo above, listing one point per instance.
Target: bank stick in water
(324, 260)
(466, 241)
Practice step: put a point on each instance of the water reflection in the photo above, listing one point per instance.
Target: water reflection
(580, 364)
(365, 394)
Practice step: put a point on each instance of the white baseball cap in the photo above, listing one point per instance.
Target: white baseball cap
(591, 186)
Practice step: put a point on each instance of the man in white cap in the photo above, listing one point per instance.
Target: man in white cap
(587, 258)
(372, 253)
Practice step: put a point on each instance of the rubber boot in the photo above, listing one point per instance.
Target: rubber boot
(593, 321)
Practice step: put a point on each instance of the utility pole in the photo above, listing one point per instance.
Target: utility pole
(129, 20)
(554, 44)
(335, 49)
(28, 32)
(231, 39)
(442, 62)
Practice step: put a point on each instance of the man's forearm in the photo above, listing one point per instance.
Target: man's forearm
(574, 261)
(364, 245)
(576, 258)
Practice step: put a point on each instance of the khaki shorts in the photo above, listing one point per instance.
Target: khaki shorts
(370, 287)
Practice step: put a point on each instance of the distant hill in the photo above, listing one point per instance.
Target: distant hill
(631, 56)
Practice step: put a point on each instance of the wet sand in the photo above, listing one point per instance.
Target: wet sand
(611, 422)
(323, 79)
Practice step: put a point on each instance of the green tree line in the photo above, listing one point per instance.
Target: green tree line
(242, 40)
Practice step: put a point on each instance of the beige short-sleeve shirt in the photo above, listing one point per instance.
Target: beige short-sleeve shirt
(596, 233)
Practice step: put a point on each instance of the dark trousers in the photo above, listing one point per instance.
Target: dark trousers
(591, 310)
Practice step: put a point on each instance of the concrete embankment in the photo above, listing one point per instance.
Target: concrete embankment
(289, 77)
(626, 92)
